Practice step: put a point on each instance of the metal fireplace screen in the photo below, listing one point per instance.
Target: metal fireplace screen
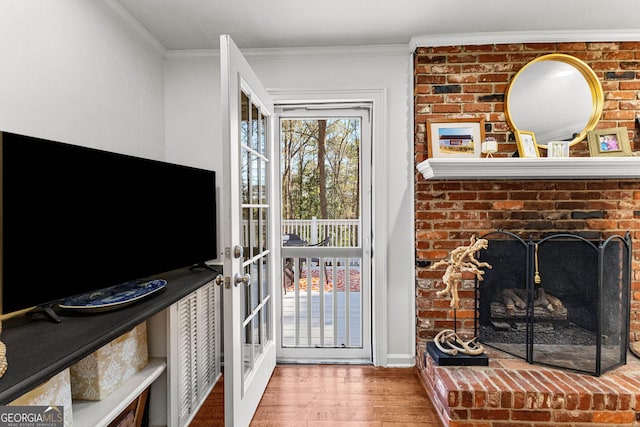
(562, 301)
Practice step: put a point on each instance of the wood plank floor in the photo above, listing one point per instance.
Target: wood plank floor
(335, 396)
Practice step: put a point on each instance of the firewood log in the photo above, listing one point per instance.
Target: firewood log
(554, 301)
(509, 304)
(519, 302)
(541, 299)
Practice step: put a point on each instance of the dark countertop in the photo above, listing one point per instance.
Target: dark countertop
(38, 348)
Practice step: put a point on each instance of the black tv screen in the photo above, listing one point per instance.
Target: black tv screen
(77, 219)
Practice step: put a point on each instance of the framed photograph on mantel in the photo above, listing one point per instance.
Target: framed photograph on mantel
(609, 142)
(455, 137)
(527, 146)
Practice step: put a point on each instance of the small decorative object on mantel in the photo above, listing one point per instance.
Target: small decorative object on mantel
(527, 146)
(448, 348)
(609, 142)
(558, 149)
(489, 146)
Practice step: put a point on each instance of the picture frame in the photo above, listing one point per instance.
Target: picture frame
(453, 138)
(558, 149)
(609, 142)
(527, 146)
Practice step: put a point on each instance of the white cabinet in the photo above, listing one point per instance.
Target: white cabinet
(193, 363)
(184, 338)
(183, 346)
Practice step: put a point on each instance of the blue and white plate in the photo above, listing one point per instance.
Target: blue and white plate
(113, 297)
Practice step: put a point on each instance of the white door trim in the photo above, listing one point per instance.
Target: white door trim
(358, 354)
(378, 97)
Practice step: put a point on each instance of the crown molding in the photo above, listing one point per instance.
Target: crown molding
(136, 26)
(193, 53)
(302, 52)
(504, 37)
(329, 51)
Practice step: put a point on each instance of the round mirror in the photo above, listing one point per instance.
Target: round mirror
(557, 97)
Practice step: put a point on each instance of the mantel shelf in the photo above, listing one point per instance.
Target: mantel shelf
(530, 168)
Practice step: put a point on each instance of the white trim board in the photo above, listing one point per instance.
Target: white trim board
(505, 37)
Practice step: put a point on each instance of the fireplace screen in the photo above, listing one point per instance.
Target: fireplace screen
(562, 301)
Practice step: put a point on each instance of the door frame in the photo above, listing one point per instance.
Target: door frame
(344, 110)
(378, 99)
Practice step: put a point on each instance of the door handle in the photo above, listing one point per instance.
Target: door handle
(238, 251)
(239, 278)
(219, 280)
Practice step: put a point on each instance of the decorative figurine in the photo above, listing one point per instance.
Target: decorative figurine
(461, 259)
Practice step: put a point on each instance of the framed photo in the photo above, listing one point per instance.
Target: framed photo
(455, 137)
(609, 142)
(558, 149)
(527, 146)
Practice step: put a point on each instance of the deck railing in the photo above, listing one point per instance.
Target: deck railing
(343, 233)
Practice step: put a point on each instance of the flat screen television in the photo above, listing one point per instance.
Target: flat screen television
(77, 219)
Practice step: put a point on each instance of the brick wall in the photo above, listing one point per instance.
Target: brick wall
(470, 81)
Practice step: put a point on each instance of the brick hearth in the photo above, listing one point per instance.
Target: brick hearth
(513, 393)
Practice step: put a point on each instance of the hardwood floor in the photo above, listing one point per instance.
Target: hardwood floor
(336, 396)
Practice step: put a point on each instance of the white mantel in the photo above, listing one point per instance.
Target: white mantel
(530, 168)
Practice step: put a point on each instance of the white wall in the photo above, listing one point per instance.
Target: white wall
(192, 138)
(192, 99)
(193, 116)
(369, 69)
(74, 71)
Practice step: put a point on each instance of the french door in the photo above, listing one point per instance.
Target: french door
(249, 264)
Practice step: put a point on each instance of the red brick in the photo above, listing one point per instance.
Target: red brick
(519, 400)
(469, 424)
(508, 205)
(538, 415)
(467, 400)
(459, 414)
(489, 414)
(613, 418)
(573, 416)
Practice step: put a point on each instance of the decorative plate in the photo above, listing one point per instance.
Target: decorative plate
(113, 297)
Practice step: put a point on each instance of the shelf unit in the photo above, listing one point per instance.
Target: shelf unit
(78, 336)
(102, 412)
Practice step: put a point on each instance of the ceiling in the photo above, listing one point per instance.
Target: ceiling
(197, 24)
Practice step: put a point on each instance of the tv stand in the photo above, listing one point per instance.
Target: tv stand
(37, 350)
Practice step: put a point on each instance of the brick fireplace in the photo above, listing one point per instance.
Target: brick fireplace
(470, 81)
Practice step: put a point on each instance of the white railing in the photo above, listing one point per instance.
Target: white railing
(343, 233)
(322, 298)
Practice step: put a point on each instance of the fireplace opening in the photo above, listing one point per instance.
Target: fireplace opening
(562, 301)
